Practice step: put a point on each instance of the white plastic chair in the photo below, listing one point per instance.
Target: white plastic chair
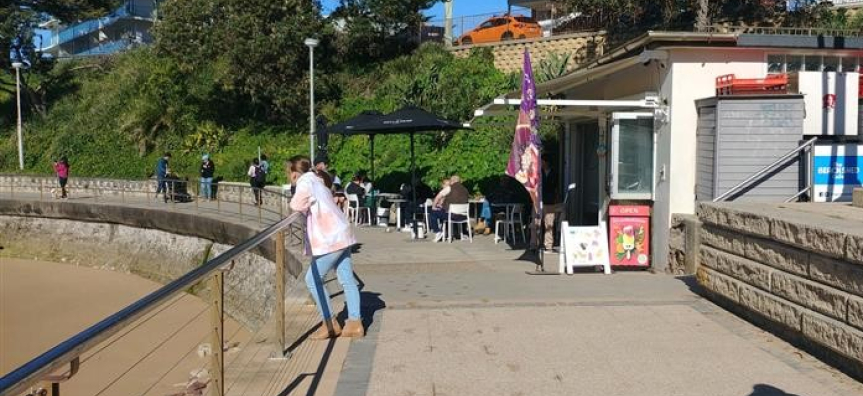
(355, 210)
(426, 205)
(513, 217)
(463, 210)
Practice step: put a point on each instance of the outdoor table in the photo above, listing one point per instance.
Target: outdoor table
(379, 197)
(477, 206)
(398, 202)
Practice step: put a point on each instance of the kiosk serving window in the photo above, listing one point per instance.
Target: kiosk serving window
(632, 156)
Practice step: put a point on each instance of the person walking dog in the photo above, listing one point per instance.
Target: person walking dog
(329, 240)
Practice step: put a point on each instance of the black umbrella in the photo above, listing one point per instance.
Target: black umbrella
(407, 120)
(347, 128)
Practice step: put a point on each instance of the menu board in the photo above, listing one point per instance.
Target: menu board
(584, 247)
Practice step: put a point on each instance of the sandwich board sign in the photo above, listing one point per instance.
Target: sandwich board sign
(584, 247)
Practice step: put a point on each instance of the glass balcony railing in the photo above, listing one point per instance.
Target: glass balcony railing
(84, 28)
(108, 48)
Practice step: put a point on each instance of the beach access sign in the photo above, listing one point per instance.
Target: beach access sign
(838, 170)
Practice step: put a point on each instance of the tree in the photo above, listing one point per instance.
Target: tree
(377, 30)
(253, 49)
(18, 18)
(625, 19)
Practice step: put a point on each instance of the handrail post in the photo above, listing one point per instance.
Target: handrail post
(810, 178)
(217, 335)
(260, 205)
(280, 292)
(241, 203)
(41, 187)
(197, 196)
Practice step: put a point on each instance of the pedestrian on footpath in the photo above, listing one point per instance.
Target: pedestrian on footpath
(257, 179)
(208, 169)
(329, 240)
(61, 168)
(161, 174)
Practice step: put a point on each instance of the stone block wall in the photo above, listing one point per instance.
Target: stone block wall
(683, 244)
(804, 280)
(509, 55)
(151, 243)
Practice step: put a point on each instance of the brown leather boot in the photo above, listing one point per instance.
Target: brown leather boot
(354, 329)
(324, 332)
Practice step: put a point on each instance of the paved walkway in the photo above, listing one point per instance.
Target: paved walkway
(464, 318)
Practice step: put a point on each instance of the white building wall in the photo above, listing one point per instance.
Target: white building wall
(694, 74)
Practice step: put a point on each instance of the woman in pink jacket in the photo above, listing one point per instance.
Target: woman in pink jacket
(330, 239)
(61, 168)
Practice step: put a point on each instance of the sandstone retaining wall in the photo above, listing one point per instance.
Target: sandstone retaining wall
(147, 242)
(801, 278)
(509, 55)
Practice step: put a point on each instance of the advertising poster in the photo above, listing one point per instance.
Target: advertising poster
(629, 237)
(837, 172)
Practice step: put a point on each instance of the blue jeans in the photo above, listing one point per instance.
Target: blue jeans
(321, 265)
(206, 187)
(486, 213)
(436, 217)
(162, 187)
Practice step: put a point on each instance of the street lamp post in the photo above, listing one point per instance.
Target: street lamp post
(18, 66)
(311, 43)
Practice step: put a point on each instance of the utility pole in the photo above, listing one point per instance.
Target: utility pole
(448, 37)
(311, 43)
(17, 66)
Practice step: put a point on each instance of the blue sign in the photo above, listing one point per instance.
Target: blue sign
(838, 171)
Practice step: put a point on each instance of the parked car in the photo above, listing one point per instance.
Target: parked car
(502, 28)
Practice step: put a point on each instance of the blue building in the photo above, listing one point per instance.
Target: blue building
(127, 26)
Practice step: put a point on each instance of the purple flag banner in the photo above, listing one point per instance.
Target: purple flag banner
(524, 159)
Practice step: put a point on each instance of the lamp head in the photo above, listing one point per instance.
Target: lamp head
(312, 42)
(17, 65)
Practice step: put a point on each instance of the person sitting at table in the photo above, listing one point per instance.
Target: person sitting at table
(355, 188)
(457, 194)
(503, 193)
(439, 199)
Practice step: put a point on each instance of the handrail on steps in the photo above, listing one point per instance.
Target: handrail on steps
(18, 381)
(769, 168)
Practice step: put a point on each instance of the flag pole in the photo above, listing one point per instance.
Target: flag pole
(525, 161)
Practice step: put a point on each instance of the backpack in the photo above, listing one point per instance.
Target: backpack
(260, 175)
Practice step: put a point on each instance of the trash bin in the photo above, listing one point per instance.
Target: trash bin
(629, 235)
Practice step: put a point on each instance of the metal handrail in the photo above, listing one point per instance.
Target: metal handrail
(765, 170)
(19, 380)
(118, 186)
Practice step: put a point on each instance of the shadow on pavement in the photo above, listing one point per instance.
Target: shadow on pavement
(316, 376)
(767, 390)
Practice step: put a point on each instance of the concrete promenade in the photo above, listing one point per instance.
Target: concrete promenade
(464, 319)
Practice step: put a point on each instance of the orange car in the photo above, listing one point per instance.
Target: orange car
(502, 28)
